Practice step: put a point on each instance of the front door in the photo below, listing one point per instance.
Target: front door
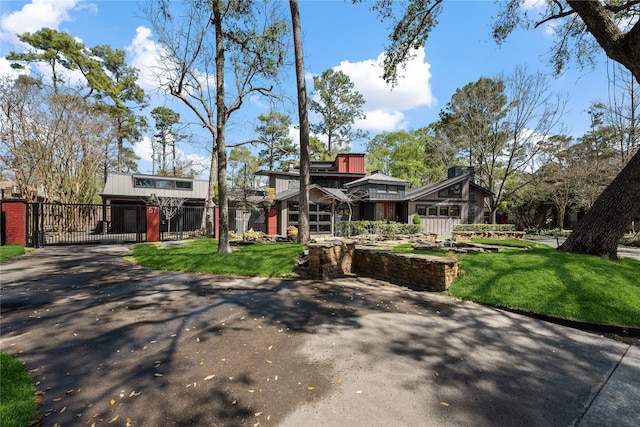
(385, 211)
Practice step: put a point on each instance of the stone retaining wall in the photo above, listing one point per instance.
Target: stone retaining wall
(333, 259)
(498, 235)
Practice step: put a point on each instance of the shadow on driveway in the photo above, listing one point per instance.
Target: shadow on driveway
(109, 341)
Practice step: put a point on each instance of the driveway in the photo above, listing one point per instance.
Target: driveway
(111, 343)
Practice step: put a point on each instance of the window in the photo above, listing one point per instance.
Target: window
(421, 210)
(166, 184)
(319, 216)
(144, 182)
(184, 185)
(452, 211)
(453, 191)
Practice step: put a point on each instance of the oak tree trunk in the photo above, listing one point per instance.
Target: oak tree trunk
(600, 230)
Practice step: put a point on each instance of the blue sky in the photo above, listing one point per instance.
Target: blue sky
(340, 35)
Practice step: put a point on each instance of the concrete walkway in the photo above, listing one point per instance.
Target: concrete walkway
(111, 343)
(623, 252)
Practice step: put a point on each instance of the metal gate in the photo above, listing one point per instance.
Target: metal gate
(67, 224)
(184, 222)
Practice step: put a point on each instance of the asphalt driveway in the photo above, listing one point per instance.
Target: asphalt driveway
(111, 343)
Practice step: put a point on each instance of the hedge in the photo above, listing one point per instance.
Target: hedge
(485, 227)
(380, 228)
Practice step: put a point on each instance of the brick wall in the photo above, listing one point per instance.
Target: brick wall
(14, 222)
(333, 259)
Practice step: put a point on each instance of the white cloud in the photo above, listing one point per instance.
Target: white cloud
(34, 16)
(145, 56)
(142, 149)
(6, 70)
(381, 121)
(385, 105)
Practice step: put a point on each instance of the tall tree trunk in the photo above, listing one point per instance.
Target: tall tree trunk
(221, 113)
(600, 230)
(304, 234)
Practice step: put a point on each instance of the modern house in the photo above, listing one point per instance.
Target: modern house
(338, 189)
(342, 186)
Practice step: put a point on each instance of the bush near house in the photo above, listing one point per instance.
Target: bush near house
(485, 227)
(382, 229)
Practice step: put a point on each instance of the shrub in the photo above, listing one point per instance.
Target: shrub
(632, 240)
(416, 219)
(485, 227)
(253, 236)
(380, 228)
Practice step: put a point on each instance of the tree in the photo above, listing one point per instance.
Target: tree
(195, 42)
(55, 48)
(621, 112)
(107, 76)
(318, 151)
(410, 155)
(339, 105)
(304, 232)
(273, 133)
(243, 167)
(126, 94)
(52, 140)
(165, 121)
(615, 27)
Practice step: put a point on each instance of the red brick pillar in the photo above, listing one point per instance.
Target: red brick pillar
(14, 222)
(272, 221)
(153, 223)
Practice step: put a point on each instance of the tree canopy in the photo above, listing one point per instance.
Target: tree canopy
(338, 104)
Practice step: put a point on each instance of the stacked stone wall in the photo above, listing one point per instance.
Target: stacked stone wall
(333, 259)
(462, 236)
(328, 260)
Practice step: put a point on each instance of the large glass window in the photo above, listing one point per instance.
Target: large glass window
(144, 182)
(184, 185)
(164, 183)
(453, 191)
(319, 216)
(450, 211)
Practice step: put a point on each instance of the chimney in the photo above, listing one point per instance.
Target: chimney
(455, 171)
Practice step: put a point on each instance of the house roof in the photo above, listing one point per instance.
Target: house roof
(122, 185)
(377, 177)
(419, 192)
(333, 193)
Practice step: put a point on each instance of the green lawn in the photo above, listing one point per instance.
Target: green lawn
(266, 259)
(571, 286)
(18, 401)
(510, 243)
(407, 248)
(10, 251)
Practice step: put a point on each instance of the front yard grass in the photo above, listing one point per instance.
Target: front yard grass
(200, 256)
(545, 281)
(511, 243)
(18, 402)
(11, 251)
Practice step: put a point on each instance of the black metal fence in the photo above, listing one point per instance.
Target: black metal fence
(185, 222)
(64, 224)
